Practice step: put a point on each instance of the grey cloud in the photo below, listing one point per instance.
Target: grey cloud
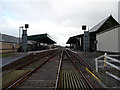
(61, 19)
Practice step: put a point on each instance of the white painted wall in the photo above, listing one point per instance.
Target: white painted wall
(119, 39)
(109, 41)
(119, 23)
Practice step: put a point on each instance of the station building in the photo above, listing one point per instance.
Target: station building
(100, 36)
(76, 42)
(119, 11)
(40, 42)
(109, 40)
(10, 43)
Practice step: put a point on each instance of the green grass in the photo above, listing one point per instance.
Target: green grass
(5, 55)
(11, 77)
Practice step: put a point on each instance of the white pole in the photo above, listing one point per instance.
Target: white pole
(96, 64)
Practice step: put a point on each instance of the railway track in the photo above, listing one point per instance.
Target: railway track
(59, 71)
(23, 72)
(70, 77)
(45, 76)
(87, 71)
(19, 64)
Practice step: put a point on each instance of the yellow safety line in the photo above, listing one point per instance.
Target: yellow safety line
(93, 74)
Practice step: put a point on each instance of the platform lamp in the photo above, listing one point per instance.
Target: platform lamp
(20, 33)
(86, 39)
(26, 26)
(84, 28)
(24, 38)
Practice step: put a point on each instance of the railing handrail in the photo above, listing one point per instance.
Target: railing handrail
(114, 55)
(105, 60)
(116, 67)
(113, 59)
(100, 57)
(108, 58)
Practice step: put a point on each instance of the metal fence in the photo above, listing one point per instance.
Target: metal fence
(107, 61)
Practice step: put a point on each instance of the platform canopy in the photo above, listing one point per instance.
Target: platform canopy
(42, 38)
(73, 40)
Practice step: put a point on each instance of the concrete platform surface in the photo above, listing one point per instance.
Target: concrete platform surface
(11, 58)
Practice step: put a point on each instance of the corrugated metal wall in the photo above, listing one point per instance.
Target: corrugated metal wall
(109, 41)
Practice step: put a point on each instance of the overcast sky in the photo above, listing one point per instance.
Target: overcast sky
(61, 19)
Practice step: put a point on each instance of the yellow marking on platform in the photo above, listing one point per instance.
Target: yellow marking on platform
(93, 74)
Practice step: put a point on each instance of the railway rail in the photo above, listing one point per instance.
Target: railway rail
(45, 76)
(70, 76)
(87, 71)
(31, 58)
(60, 71)
(27, 70)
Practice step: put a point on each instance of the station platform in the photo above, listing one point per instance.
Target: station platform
(38, 51)
(11, 57)
(89, 58)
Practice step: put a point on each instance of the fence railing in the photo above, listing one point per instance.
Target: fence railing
(106, 60)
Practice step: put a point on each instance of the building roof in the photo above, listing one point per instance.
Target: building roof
(8, 38)
(73, 39)
(97, 28)
(99, 25)
(78, 36)
(43, 38)
(112, 28)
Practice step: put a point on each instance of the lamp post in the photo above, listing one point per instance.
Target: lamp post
(20, 33)
(24, 39)
(86, 39)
